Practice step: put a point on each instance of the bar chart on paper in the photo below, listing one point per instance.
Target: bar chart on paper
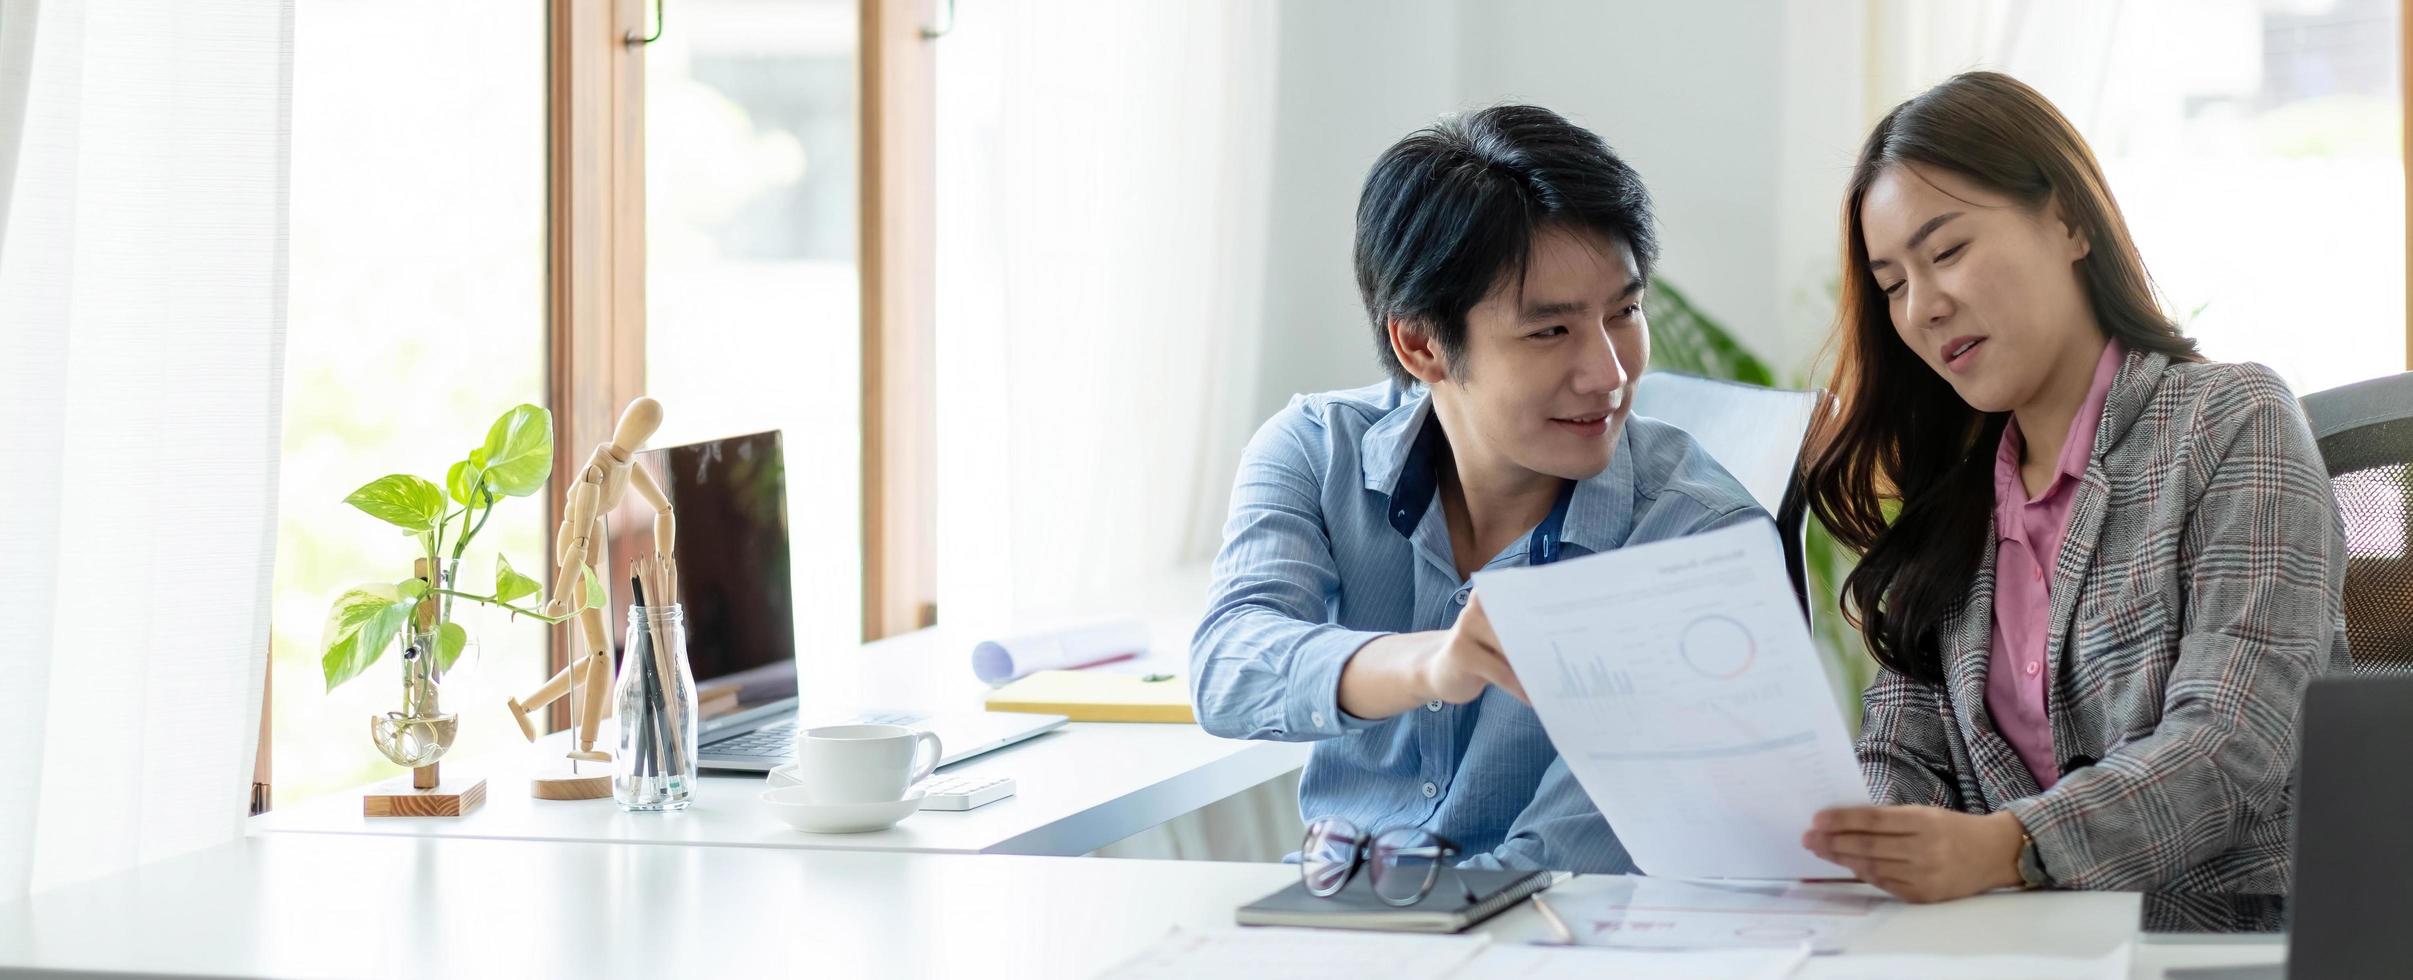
(1679, 682)
(1582, 676)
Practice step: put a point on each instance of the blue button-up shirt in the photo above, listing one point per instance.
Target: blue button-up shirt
(1334, 540)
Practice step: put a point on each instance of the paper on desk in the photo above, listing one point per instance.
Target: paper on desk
(1678, 681)
(2110, 966)
(1662, 913)
(1298, 954)
(1576, 963)
(998, 661)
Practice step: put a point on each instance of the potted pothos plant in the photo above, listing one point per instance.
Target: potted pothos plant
(417, 611)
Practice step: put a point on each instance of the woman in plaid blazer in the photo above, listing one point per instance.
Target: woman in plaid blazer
(2097, 570)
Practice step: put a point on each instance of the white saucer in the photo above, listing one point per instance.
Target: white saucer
(795, 807)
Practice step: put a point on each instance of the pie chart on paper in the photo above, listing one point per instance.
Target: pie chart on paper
(1717, 647)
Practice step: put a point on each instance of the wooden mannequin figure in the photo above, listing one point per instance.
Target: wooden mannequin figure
(580, 551)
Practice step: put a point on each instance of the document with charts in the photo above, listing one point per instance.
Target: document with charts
(1678, 681)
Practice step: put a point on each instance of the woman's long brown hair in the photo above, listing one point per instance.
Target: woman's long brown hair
(1900, 433)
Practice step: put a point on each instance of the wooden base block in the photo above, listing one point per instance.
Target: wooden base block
(453, 797)
(568, 787)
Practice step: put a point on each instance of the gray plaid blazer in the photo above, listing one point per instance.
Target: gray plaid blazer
(2197, 591)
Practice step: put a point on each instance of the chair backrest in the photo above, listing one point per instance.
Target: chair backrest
(2365, 431)
(1757, 433)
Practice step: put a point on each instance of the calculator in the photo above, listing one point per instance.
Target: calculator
(964, 792)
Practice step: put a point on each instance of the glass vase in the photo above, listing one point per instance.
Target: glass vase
(421, 732)
(654, 702)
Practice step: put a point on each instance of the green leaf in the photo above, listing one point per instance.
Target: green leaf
(1686, 339)
(509, 584)
(463, 480)
(519, 451)
(403, 500)
(451, 639)
(596, 598)
(362, 624)
(410, 590)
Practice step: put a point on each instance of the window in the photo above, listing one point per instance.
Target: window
(2255, 148)
(2262, 170)
(752, 285)
(416, 315)
(467, 237)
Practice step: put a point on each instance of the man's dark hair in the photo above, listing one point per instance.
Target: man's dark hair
(1452, 209)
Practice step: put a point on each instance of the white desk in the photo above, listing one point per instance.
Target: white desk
(319, 905)
(1077, 789)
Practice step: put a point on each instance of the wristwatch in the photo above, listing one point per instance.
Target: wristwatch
(2032, 875)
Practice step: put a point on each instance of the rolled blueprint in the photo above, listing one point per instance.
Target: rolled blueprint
(999, 661)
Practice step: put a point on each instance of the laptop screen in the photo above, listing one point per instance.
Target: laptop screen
(730, 496)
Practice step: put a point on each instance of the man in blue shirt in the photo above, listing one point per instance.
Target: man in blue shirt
(1502, 256)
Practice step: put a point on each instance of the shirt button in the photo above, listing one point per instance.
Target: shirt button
(1431, 791)
(2032, 668)
(1458, 597)
(1432, 706)
(1317, 719)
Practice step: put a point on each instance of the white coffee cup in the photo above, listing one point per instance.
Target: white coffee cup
(863, 763)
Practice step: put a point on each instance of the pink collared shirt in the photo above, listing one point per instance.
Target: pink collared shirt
(2028, 540)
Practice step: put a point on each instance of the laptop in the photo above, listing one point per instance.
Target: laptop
(731, 499)
(2353, 888)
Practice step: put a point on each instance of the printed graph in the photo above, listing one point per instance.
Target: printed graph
(1718, 647)
(1584, 676)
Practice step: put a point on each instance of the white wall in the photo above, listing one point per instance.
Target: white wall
(1826, 104)
(1741, 117)
(1353, 77)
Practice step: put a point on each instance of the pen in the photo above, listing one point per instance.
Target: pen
(1566, 936)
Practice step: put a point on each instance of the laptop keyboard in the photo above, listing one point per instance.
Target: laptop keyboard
(778, 740)
(769, 740)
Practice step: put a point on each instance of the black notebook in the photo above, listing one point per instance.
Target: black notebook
(1357, 907)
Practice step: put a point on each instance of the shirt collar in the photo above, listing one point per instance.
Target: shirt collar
(1384, 450)
(1397, 455)
(2079, 448)
(1601, 515)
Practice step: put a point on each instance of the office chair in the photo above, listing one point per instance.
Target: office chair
(2365, 431)
(1757, 433)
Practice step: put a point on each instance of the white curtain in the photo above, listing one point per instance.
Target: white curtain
(2064, 48)
(1102, 218)
(143, 158)
(1103, 212)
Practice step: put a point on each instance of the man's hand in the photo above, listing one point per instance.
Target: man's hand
(1920, 853)
(1400, 672)
(1470, 659)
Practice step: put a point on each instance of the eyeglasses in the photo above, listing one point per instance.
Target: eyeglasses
(1401, 863)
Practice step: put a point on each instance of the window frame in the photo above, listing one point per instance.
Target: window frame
(595, 288)
(899, 227)
(594, 246)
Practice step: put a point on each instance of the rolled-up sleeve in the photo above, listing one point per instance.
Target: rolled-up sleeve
(1265, 663)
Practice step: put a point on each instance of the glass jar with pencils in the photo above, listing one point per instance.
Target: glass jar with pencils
(654, 703)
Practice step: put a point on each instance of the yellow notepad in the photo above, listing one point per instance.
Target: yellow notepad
(1083, 695)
